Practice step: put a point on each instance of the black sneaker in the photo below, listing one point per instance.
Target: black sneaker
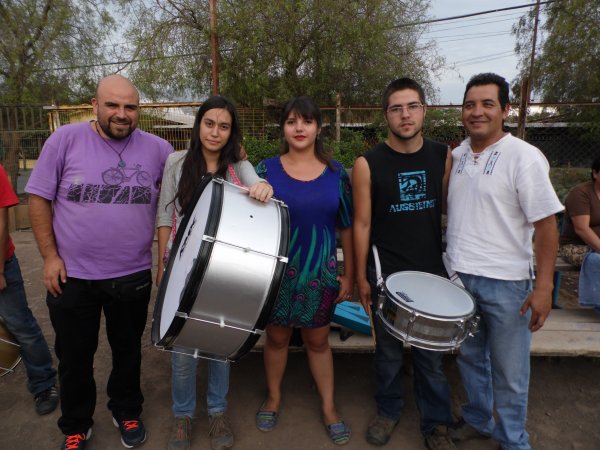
(46, 401)
(76, 441)
(132, 431)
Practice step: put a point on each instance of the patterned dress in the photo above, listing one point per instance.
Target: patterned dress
(317, 208)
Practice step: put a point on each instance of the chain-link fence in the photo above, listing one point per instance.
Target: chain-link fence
(568, 134)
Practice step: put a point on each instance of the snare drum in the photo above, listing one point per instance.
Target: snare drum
(223, 275)
(10, 351)
(426, 311)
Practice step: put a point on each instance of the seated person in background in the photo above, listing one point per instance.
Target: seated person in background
(580, 240)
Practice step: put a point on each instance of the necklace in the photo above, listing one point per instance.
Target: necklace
(119, 153)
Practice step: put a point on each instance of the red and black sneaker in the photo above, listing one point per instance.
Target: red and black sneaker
(76, 441)
(132, 431)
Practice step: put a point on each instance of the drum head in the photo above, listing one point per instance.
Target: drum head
(184, 260)
(429, 294)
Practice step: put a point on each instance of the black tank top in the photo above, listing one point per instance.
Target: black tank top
(406, 208)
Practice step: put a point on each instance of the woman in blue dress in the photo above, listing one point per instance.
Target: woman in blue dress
(317, 192)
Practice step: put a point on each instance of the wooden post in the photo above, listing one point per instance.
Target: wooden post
(528, 80)
(523, 108)
(338, 116)
(214, 46)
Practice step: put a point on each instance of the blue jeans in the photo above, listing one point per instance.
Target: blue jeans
(589, 280)
(494, 364)
(431, 388)
(183, 385)
(20, 322)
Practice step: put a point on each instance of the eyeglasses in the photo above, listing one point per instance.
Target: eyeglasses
(410, 109)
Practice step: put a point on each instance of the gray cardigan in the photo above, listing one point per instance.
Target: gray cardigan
(243, 169)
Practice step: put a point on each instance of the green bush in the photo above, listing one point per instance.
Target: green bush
(352, 144)
(565, 178)
(259, 149)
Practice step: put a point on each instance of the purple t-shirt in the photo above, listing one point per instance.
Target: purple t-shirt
(103, 211)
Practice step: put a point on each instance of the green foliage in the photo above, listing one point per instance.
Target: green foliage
(444, 125)
(351, 145)
(568, 60)
(259, 149)
(39, 36)
(564, 179)
(271, 51)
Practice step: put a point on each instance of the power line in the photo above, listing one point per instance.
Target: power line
(479, 36)
(184, 55)
(471, 25)
(486, 58)
(473, 22)
(115, 63)
(483, 60)
(477, 58)
(486, 33)
(445, 19)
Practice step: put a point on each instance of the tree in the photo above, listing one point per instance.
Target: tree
(37, 37)
(270, 51)
(567, 64)
(40, 36)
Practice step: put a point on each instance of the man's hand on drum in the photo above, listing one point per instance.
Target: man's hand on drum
(346, 288)
(54, 274)
(364, 293)
(261, 191)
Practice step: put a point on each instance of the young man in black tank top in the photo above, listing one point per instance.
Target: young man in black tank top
(399, 189)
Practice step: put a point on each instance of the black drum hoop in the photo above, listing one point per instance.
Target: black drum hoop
(197, 272)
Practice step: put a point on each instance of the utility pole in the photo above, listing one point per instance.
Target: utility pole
(214, 46)
(528, 80)
(338, 116)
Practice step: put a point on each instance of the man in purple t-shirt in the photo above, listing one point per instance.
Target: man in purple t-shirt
(93, 197)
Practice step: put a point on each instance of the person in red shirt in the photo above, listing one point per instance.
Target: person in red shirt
(18, 318)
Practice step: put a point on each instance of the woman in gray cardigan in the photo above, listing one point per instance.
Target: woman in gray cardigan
(214, 151)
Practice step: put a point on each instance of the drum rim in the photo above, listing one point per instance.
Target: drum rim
(211, 225)
(402, 304)
(421, 343)
(188, 296)
(14, 342)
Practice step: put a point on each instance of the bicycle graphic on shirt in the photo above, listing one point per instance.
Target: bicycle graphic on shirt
(115, 176)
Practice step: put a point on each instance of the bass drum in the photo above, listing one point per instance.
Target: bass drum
(426, 311)
(223, 275)
(10, 351)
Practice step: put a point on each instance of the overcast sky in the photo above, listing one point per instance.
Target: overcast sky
(474, 44)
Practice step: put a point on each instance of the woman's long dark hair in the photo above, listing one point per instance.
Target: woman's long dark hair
(194, 164)
(306, 108)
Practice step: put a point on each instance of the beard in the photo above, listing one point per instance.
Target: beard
(105, 125)
(405, 137)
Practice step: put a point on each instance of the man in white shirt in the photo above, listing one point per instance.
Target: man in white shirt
(499, 194)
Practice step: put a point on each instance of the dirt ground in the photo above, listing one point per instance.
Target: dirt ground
(563, 408)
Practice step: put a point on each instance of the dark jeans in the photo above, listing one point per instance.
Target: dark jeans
(431, 388)
(20, 321)
(75, 316)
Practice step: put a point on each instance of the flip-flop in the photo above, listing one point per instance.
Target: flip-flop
(339, 432)
(266, 420)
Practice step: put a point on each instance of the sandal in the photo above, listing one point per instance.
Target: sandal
(266, 420)
(339, 432)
